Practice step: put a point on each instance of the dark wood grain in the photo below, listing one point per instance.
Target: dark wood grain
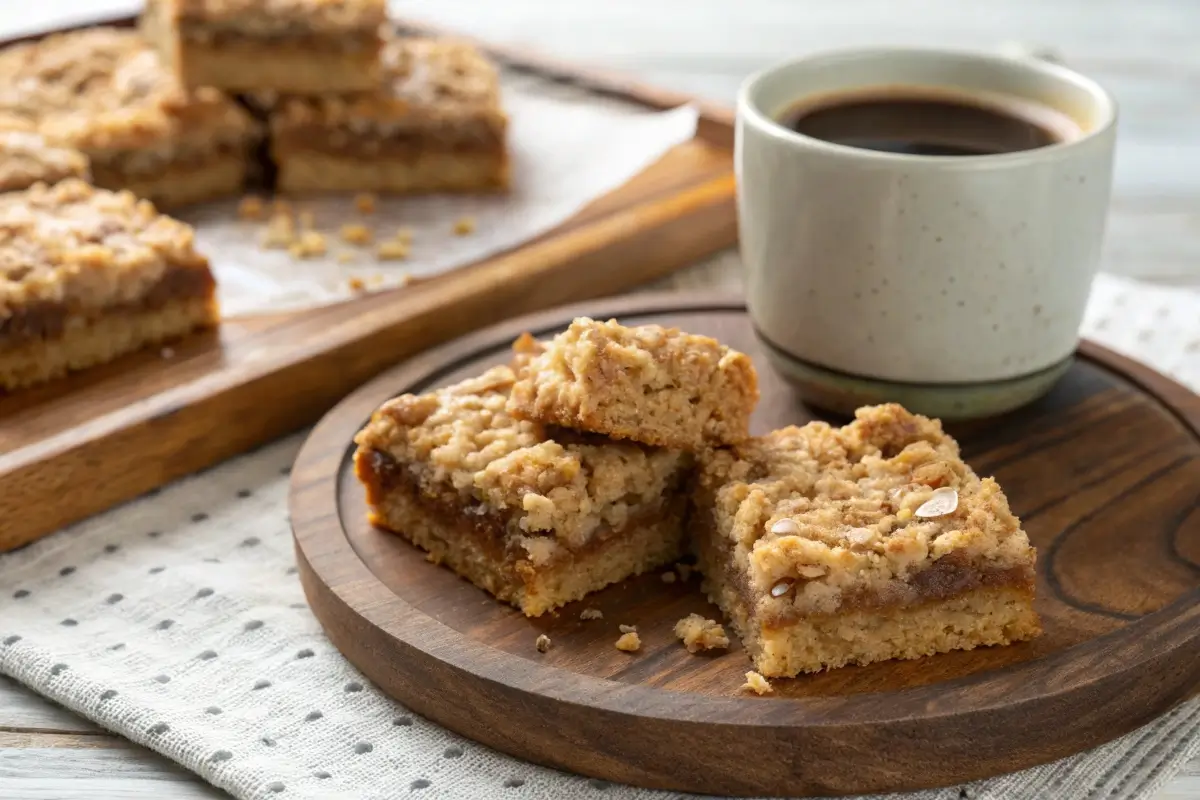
(78, 446)
(1104, 471)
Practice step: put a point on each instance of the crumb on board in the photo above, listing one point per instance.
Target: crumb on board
(356, 233)
(684, 570)
(365, 203)
(309, 245)
(345, 257)
(404, 234)
(543, 643)
(591, 613)
(627, 628)
(279, 232)
(668, 577)
(251, 207)
(464, 225)
(357, 284)
(698, 633)
(629, 642)
(393, 250)
(757, 683)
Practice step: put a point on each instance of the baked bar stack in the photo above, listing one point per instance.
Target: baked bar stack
(103, 92)
(830, 546)
(87, 275)
(536, 513)
(307, 46)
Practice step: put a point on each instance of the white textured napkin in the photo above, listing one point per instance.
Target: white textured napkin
(568, 146)
(177, 622)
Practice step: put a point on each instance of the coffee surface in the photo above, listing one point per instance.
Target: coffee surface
(929, 122)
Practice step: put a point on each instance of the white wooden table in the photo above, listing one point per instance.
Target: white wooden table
(1145, 52)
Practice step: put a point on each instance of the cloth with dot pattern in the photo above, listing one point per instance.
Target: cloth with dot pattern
(178, 622)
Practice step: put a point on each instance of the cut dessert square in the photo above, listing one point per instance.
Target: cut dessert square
(537, 518)
(87, 275)
(830, 546)
(650, 384)
(435, 124)
(27, 157)
(304, 46)
(102, 91)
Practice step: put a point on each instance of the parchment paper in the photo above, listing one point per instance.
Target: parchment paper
(568, 148)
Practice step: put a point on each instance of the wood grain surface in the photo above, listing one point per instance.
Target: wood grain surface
(1113, 449)
(75, 447)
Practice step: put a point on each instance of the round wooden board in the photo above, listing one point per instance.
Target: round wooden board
(1104, 472)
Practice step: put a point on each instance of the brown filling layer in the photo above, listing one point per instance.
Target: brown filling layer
(298, 37)
(472, 138)
(45, 320)
(947, 577)
(487, 528)
(110, 168)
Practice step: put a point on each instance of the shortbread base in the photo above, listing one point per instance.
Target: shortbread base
(249, 65)
(87, 342)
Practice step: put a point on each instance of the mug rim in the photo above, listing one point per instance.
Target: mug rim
(749, 111)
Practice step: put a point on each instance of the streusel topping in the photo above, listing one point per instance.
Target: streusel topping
(104, 89)
(27, 157)
(816, 512)
(267, 17)
(461, 438)
(85, 247)
(442, 86)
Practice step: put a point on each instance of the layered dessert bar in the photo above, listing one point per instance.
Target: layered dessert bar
(87, 275)
(830, 546)
(537, 517)
(651, 384)
(27, 157)
(304, 46)
(103, 92)
(434, 124)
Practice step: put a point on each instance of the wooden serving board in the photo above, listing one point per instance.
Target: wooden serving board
(78, 446)
(1104, 472)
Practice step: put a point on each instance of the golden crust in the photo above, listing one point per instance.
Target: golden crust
(85, 247)
(650, 384)
(104, 92)
(27, 157)
(277, 17)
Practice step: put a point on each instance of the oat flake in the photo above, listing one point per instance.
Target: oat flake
(944, 501)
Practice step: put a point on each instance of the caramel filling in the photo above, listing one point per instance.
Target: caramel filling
(389, 140)
(46, 320)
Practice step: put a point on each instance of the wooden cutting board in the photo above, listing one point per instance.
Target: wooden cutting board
(78, 446)
(1104, 472)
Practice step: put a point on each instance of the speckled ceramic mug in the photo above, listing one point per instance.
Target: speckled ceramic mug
(955, 285)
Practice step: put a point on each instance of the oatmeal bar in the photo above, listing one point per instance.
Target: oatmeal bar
(87, 275)
(103, 92)
(650, 384)
(435, 124)
(27, 157)
(303, 46)
(830, 546)
(535, 520)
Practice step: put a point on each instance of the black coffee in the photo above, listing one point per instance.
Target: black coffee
(929, 122)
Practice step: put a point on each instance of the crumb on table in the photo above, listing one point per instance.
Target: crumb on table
(698, 633)
(251, 207)
(309, 245)
(279, 233)
(464, 226)
(757, 683)
(356, 233)
(356, 283)
(591, 613)
(668, 577)
(627, 628)
(542, 643)
(629, 642)
(365, 203)
(393, 250)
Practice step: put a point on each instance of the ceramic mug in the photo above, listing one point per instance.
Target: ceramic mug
(954, 285)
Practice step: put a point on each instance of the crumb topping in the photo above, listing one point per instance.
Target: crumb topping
(757, 683)
(27, 157)
(86, 247)
(461, 440)
(104, 91)
(698, 633)
(629, 642)
(280, 17)
(442, 87)
(816, 513)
